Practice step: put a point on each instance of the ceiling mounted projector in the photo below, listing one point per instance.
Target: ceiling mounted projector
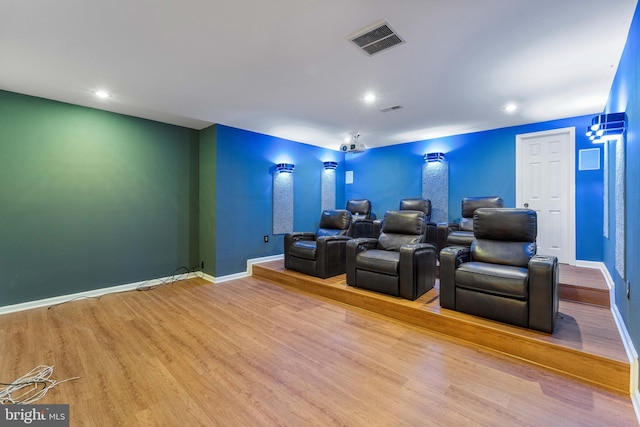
(353, 146)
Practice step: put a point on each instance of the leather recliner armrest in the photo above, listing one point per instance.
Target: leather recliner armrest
(323, 242)
(330, 254)
(300, 235)
(450, 259)
(362, 228)
(431, 234)
(417, 261)
(290, 238)
(543, 292)
(443, 230)
(354, 247)
(377, 226)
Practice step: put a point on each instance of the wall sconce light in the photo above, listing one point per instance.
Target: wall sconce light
(434, 157)
(605, 127)
(330, 165)
(285, 167)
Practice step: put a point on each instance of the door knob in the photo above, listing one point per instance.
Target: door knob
(526, 205)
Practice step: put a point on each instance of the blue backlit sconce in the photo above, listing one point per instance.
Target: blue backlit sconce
(434, 157)
(330, 165)
(285, 167)
(605, 127)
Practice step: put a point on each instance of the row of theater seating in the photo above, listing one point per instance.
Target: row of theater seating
(488, 261)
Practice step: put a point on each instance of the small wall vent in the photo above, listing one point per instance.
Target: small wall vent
(376, 38)
(391, 108)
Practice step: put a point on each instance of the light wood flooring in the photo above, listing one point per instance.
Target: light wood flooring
(585, 343)
(249, 352)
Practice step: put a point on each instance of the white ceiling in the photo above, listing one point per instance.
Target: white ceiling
(286, 68)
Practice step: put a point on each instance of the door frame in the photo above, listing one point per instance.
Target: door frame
(570, 253)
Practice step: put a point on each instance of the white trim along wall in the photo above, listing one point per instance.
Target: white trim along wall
(47, 302)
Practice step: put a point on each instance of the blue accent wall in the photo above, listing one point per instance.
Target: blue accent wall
(245, 162)
(624, 96)
(480, 164)
(385, 176)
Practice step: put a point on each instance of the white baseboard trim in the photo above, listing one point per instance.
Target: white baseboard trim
(252, 261)
(230, 277)
(590, 264)
(598, 265)
(249, 271)
(635, 399)
(206, 277)
(632, 355)
(610, 282)
(629, 348)
(47, 302)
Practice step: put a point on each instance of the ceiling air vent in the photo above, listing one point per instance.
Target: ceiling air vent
(391, 108)
(376, 38)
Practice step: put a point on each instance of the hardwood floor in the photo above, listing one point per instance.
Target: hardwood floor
(585, 343)
(251, 353)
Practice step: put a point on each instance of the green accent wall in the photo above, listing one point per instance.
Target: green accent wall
(91, 199)
(208, 183)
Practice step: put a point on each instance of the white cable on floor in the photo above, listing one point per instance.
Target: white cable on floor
(37, 383)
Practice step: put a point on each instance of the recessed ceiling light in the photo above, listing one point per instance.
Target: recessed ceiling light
(510, 108)
(370, 97)
(102, 94)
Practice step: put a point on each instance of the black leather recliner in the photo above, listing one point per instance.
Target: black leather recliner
(500, 277)
(423, 205)
(321, 254)
(362, 218)
(360, 209)
(460, 233)
(398, 262)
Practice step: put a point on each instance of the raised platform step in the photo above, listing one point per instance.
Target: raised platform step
(585, 285)
(585, 344)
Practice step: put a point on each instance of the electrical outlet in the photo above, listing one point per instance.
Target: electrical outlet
(628, 289)
(266, 238)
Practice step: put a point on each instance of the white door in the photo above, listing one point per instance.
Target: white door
(545, 182)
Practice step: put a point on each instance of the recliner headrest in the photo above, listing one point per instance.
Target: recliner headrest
(423, 205)
(335, 219)
(470, 204)
(403, 222)
(505, 224)
(401, 228)
(359, 206)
